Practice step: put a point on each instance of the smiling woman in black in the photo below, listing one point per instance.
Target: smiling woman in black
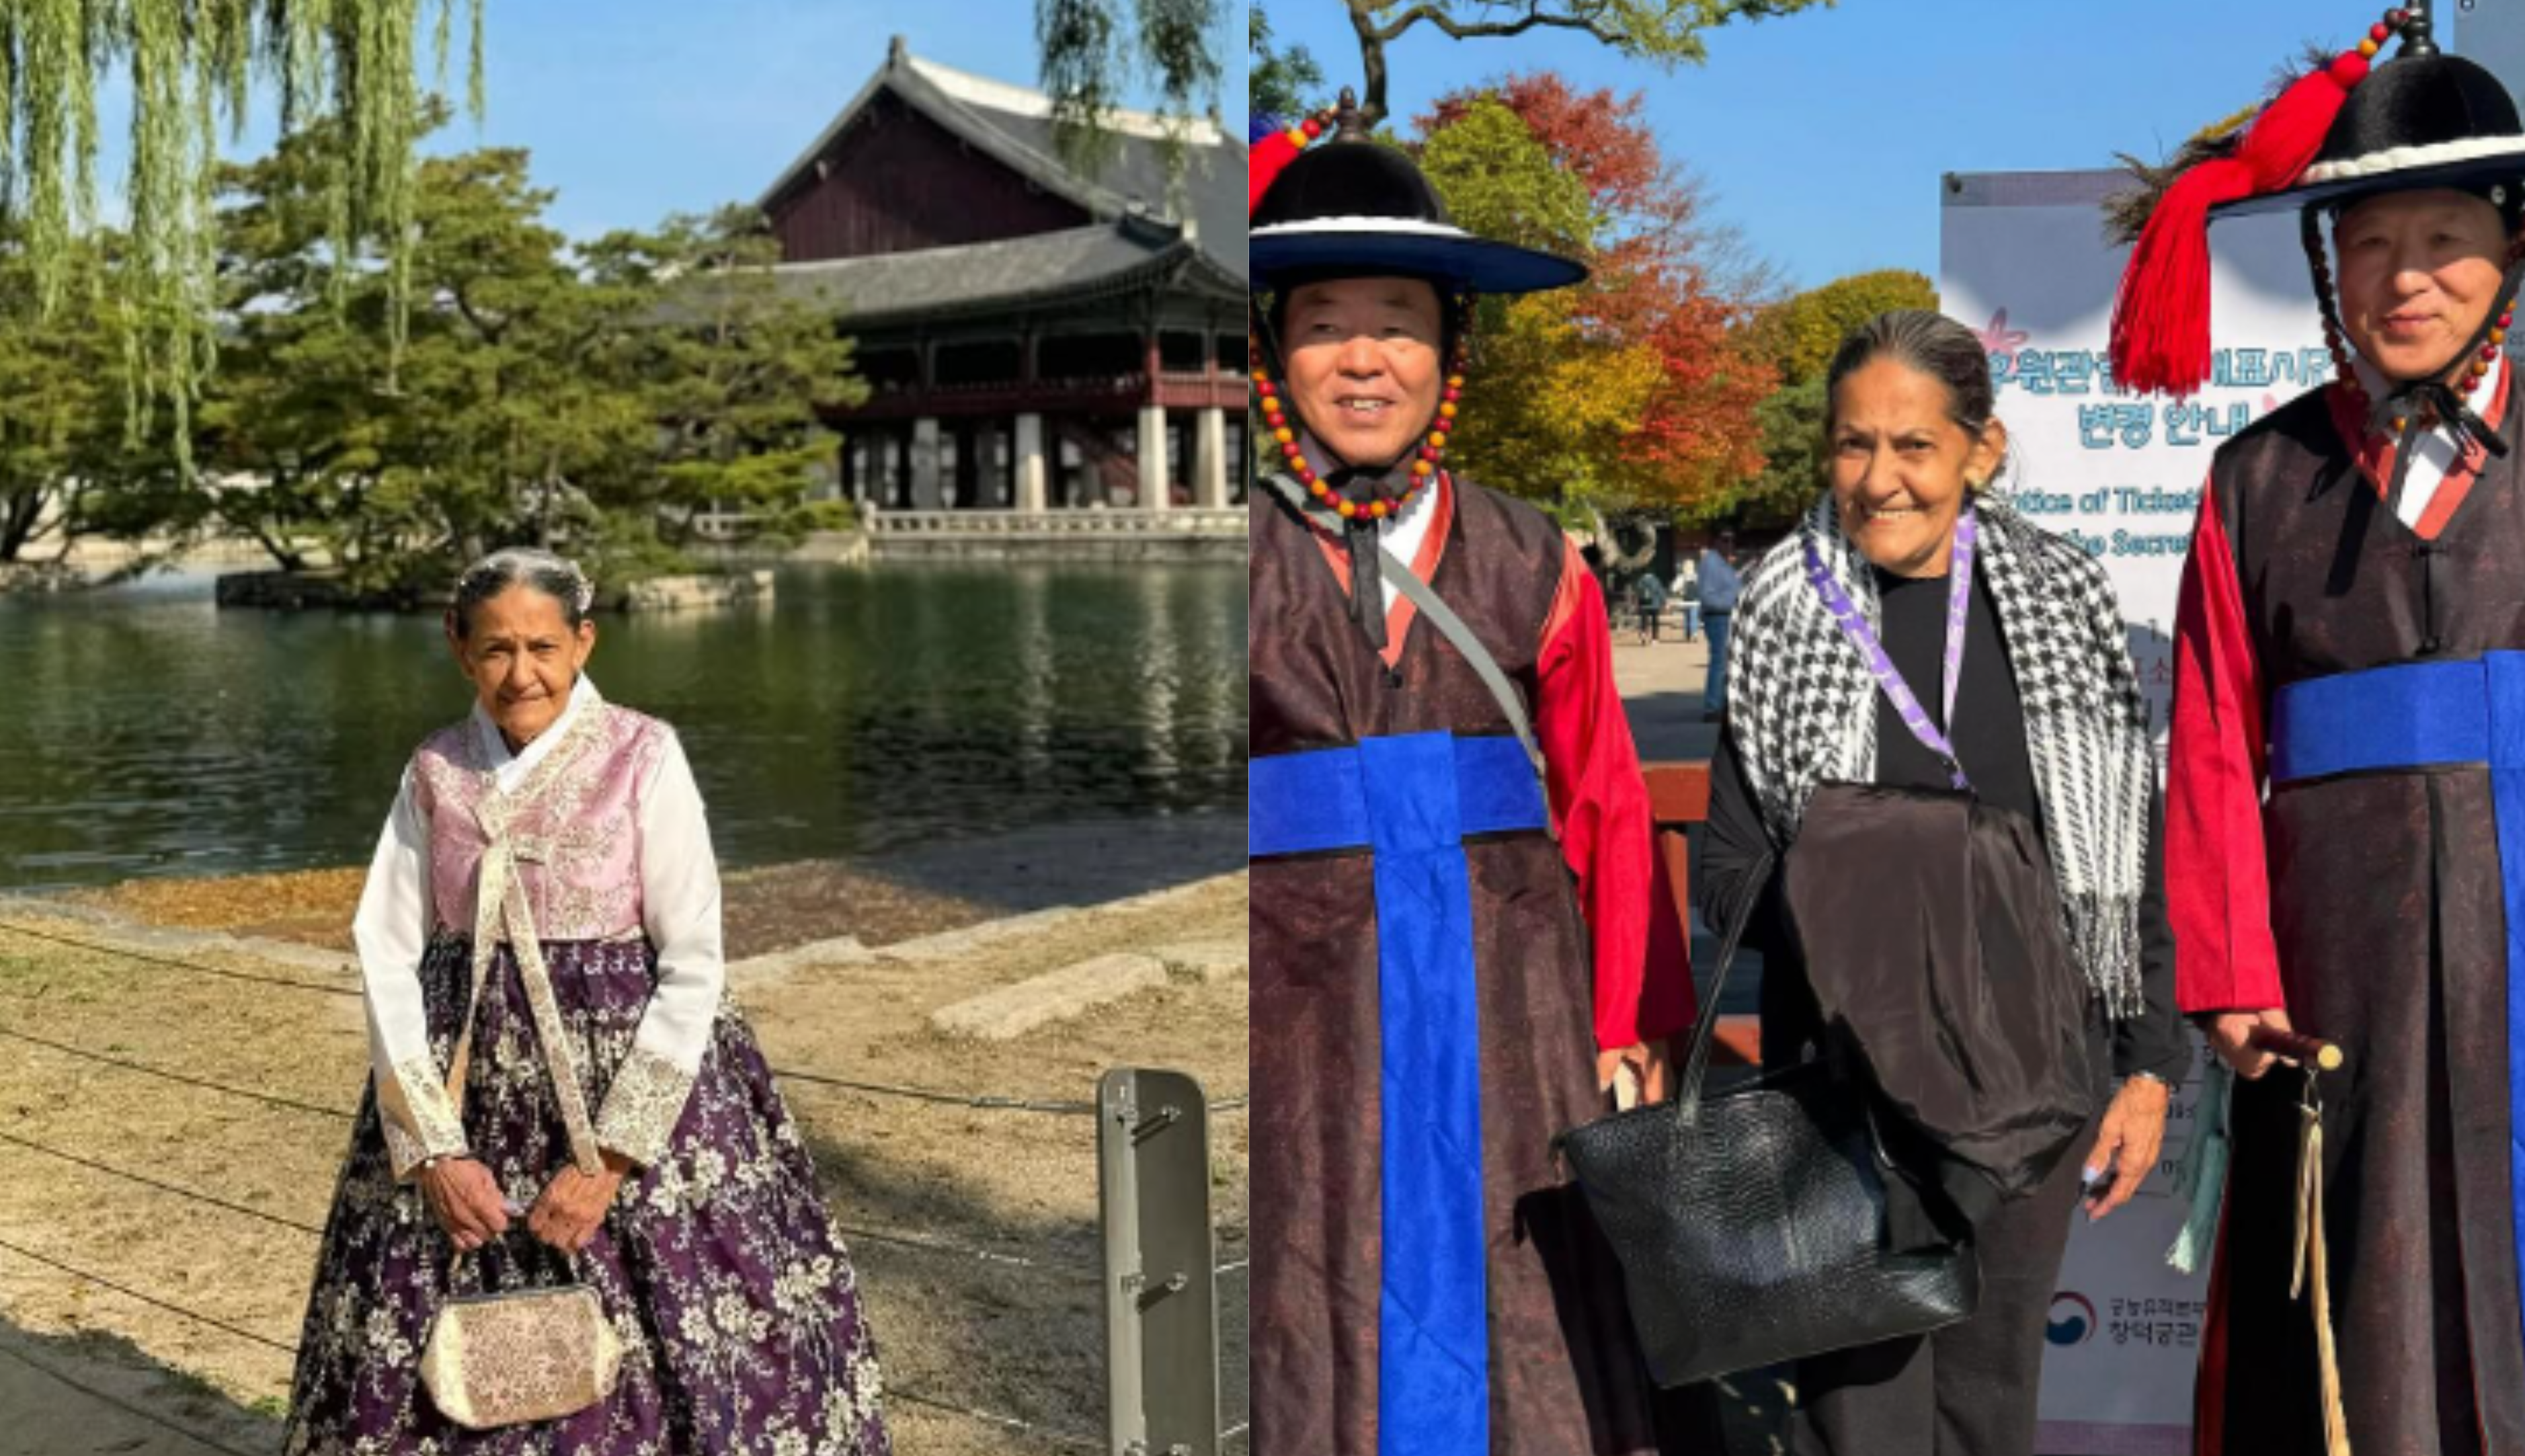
(2046, 732)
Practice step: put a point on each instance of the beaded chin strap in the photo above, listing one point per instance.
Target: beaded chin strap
(2414, 406)
(1432, 448)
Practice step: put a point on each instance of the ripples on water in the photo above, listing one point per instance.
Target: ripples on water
(144, 733)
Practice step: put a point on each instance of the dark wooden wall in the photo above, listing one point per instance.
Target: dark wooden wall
(897, 181)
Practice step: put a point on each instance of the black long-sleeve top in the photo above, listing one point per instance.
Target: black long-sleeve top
(1989, 739)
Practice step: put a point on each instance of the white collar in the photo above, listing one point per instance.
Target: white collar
(2435, 453)
(508, 768)
(2375, 384)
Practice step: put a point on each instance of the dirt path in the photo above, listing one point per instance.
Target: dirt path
(277, 1067)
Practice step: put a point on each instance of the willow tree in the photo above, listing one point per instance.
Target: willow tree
(194, 67)
(1092, 51)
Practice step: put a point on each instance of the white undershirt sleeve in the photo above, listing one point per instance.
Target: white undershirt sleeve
(680, 895)
(392, 933)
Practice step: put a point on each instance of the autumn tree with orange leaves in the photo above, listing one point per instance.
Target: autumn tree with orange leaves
(1635, 392)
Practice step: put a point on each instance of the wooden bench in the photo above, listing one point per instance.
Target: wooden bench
(1679, 798)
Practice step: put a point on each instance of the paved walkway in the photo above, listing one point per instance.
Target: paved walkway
(1660, 685)
(106, 1399)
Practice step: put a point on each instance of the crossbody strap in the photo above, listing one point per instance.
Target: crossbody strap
(1511, 704)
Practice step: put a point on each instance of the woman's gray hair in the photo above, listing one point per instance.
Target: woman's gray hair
(1930, 344)
(557, 577)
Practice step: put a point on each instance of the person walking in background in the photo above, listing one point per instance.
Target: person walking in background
(1721, 587)
(1687, 593)
(1651, 605)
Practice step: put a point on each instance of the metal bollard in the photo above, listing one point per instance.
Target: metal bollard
(1160, 1301)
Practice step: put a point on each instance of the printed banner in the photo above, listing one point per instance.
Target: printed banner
(2024, 259)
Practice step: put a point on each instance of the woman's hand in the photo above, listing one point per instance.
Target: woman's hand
(2227, 1032)
(573, 1206)
(1649, 1068)
(465, 1199)
(2128, 1142)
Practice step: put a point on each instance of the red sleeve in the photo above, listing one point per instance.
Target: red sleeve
(1601, 807)
(2217, 875)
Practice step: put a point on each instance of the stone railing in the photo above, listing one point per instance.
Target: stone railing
(1181, 522)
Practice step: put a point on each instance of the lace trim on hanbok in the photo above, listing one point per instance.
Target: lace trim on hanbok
(642, 1106)
(419, 1120)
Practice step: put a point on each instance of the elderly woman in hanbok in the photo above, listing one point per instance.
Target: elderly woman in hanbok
(547, 873)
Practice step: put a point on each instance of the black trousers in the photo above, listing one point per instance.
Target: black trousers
(1968, 1389)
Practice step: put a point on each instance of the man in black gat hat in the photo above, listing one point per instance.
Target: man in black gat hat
(2346, 813)
(1451, 865)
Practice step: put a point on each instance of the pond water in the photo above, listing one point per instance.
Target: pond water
(145, 733)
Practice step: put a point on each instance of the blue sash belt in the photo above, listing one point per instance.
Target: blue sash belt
(2417, 715)
(1411, 801)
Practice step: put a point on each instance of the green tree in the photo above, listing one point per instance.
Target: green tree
(1664, 32)
(737, 370)
(471, 433)
(1500, 182)
(68, 464)
(1547, 405)
(1790, 423)
(1801, 334)
(593, 398)
(1092, 49)
(192, 65)
(1280, 84)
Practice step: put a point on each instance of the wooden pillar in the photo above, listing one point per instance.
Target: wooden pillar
(1032, 475)
(968, 466)
(1210, 460)
(1155, 493)
(925, 464)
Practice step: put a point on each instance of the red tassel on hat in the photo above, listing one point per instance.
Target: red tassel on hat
(1266, 158)
(2161, 335)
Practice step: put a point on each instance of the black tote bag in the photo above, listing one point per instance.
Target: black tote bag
(1751, 1225)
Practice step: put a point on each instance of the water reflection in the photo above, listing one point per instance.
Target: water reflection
(144, 733)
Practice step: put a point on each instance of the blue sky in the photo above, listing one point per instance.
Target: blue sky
(635, 109)
(1823, 135)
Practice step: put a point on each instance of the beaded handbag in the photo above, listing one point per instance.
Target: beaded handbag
(509, 1359)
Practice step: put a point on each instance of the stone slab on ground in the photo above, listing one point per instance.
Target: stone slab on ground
(763, 970)
(1206, 962)
(1012, 1011)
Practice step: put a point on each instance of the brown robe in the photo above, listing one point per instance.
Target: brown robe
(2386, 915)
(1565, 1374)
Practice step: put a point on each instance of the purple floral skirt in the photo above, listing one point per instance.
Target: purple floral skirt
(737, 1309)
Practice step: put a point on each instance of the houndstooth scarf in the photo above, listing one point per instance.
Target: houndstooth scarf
(1802, 708)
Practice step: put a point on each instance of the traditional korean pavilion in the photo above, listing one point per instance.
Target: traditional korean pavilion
(1036, 337)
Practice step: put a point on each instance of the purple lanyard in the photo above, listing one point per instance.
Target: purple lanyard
(1854, 625)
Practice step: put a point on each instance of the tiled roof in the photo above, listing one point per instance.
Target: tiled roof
(1013, 126)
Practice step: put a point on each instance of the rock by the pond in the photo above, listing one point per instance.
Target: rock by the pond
(694, 593)
(40, 578)
(305, 590)
(834, 547)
